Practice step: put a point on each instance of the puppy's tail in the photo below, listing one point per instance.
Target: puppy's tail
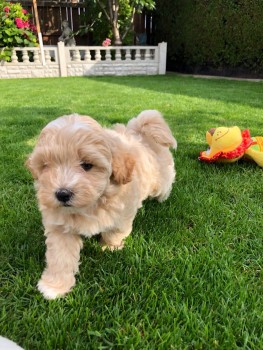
(151, 125)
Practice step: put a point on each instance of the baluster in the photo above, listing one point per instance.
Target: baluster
(36, 56)
(87, 56)
(147, 54)
(108, 55)
(14, 56)
(128, 55)
(97, 55)
(25, 56)
(153, 51)
(118, 55)
(47, 56)
(76, 56)
(137, 55)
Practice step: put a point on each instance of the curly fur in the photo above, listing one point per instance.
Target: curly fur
(124, 166)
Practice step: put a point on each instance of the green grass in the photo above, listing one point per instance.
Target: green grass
(190, 276)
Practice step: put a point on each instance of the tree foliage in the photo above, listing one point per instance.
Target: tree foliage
(114, 18)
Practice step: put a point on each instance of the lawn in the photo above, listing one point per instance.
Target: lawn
(190, 276)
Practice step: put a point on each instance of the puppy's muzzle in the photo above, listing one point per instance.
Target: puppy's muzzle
(64, 195)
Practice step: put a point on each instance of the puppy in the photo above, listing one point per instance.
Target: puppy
(91, 180)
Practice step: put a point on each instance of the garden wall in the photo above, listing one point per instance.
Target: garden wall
(62, 61)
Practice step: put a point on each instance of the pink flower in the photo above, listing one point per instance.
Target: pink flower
(24, 11)
(7, 9)
(106, 42)
(25, 24)
(19, 23)
(22, 24)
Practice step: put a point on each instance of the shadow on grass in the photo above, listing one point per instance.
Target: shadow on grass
(38, 117)
(240, 92)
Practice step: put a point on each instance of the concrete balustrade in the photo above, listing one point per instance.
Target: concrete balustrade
(62, 61)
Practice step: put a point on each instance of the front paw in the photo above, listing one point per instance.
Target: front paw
(111, 247)
(52, 288)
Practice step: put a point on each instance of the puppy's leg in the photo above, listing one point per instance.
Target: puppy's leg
(115, 239)
(168, 178)
(62, 255)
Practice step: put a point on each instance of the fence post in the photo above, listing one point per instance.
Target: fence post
(62, 59)
(162, 57)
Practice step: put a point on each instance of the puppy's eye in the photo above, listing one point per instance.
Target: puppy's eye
(86, 166)
(44, 166)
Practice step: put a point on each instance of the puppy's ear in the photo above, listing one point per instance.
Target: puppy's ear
(31, 168)
(122, 166)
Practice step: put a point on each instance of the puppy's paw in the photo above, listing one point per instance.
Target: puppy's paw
(47, 291)
(111, 247)
(53, 290)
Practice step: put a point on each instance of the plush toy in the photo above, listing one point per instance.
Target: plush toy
(230, 144)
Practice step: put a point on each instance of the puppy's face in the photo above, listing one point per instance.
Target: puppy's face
(74, 161)
(71, 163)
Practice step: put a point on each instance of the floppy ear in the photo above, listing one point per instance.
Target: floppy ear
(29, 166)
(122, 166)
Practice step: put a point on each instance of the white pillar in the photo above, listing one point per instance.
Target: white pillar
(62, 59)
(162, 57)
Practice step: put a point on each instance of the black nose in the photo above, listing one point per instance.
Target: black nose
(64, 195)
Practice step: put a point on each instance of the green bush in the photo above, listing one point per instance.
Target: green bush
(15, 29)
(216, 33)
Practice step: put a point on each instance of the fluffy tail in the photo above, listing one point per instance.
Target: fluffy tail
(153, 127)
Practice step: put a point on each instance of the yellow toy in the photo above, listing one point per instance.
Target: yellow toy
(230, 144)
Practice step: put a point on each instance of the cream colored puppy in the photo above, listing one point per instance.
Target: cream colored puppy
(92, 180)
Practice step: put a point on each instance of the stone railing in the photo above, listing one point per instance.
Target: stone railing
(62, 61)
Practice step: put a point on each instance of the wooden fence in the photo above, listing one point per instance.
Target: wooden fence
(52, 13)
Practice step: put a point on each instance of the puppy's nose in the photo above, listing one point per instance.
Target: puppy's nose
(64, 195)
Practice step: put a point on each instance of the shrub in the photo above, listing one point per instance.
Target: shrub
(215, 34)
(16, 29)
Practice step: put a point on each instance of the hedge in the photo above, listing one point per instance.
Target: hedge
(212, 33)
